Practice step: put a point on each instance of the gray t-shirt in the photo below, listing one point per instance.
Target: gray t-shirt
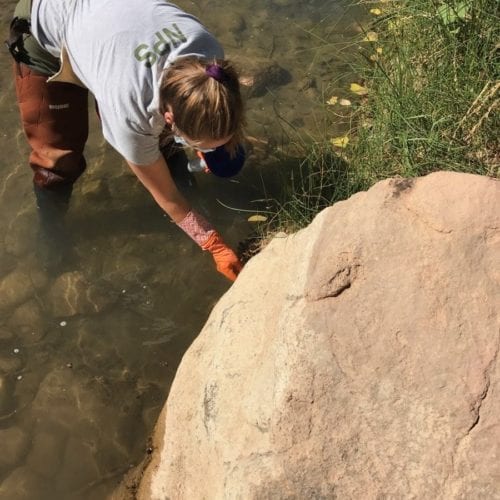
(118, 49)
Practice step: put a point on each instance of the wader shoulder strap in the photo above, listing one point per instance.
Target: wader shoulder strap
(18, 28)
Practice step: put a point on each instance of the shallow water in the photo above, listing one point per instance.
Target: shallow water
(88, 351)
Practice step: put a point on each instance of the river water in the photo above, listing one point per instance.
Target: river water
(89, 349)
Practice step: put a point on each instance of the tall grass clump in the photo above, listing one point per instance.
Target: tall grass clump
(426, 98)
(433, 90)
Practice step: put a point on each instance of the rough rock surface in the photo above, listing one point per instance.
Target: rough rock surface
(357, 358)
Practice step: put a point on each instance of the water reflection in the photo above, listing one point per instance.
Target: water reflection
(89, 349)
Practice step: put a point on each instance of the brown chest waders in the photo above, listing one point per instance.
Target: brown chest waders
(54, 114)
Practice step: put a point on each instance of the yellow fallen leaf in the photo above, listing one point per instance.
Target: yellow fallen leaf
(375, 12)
(371, 36)
(257, 218)
(340, 142)
(332, 101)
(345, 102)
(358, 89)
(378, 51)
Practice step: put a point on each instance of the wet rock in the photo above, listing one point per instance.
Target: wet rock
(31, 335)
(96, 409)
(25, 390)
(10, 362)
(46, 452)
(7, 264)
(63, 390)
(6, 395)
(128, 426)
(21, 235)
(311, 93)
(78, 467)
(109, 455)
(5, 334)
(15, 443)
(103, 421)
(95, 349)
(15, 288)
(72, 294)
(267, 77)
(123, 269)
(37, 274)
(24, 484)
(29, 321)
(307, 83)
(236, 24)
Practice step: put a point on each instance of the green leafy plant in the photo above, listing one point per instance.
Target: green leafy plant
(450, 13)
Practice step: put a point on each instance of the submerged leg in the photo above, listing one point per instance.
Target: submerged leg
(52, 207)
(55, 121)
(54, 242)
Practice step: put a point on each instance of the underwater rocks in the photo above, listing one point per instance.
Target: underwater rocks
(21, 284)
(72, 294)
(269, 78)
(14, 445)
(20, 237)
(46, 454)
(5, 334)
(263, 76)
(29, 321)
(10, 362)
(15, 288)
(6, 395)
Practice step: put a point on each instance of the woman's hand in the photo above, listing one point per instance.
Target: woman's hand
(157, 180)
(226, 261)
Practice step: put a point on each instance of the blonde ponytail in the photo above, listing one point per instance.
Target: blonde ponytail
(204, 97)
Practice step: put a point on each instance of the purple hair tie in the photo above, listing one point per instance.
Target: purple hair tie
(216, 72)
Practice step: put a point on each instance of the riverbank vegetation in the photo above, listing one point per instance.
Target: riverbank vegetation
(426, 98)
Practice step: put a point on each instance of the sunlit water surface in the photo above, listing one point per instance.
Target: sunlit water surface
(89, 350)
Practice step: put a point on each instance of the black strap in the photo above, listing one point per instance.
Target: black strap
(18, 28)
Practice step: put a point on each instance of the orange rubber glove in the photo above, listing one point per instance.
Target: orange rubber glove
(203, 233)
(226, 261)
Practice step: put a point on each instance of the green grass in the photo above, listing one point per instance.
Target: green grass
(432, 104)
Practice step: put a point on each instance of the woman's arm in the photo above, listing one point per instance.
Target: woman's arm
(157, 180)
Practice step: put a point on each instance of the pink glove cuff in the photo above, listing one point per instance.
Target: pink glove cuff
(196, 227)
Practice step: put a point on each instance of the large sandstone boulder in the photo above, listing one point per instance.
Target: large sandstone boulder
(355, 359)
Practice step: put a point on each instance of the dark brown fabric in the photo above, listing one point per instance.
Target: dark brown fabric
(55, 120)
